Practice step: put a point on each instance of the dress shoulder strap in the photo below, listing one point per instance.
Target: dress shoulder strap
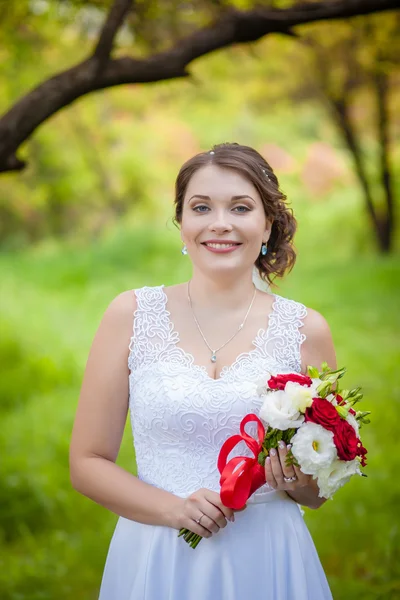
(284, 335)
(151, 327)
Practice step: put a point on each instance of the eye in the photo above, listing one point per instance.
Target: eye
(246, 209)
(200, 206)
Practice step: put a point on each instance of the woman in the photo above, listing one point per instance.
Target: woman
(188, 372)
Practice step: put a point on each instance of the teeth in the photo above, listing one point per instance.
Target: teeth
(221, 245)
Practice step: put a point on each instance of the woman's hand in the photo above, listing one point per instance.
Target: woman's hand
(206, 505)
(277, 472)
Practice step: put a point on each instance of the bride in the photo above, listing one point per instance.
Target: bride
(184, 361)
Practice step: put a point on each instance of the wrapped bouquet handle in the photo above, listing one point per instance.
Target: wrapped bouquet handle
(242, 475)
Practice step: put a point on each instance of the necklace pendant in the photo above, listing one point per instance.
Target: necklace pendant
(213, 357)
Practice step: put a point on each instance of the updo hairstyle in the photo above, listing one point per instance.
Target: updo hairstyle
(281, 255)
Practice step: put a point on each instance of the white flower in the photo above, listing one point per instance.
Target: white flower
(313, 448)
(353, 422)
(332, 399)
(278, 411)
(262, 384)
(336, 475)
(300, 395)
(315, 383)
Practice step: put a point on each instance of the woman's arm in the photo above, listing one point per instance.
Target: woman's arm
(317, 348)
(99, 425)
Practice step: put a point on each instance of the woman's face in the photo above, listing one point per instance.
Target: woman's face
(222, 206)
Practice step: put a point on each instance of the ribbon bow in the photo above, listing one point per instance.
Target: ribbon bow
(242, 475)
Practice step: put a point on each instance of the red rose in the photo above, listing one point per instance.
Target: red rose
(345, 440)
(323, 413)
(362, 452)
(278, 382)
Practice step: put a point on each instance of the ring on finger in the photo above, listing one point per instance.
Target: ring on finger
(290, 479)
(198, 520)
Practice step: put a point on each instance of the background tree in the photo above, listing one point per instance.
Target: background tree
(356, 73)
(100, 70)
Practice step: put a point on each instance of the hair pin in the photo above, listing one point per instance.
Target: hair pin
(266, 174)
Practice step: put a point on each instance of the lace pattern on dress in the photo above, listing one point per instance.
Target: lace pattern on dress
(180, 415)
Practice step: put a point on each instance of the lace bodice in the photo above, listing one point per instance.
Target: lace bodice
(180, 415)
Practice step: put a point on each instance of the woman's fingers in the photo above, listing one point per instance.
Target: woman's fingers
(287, 470)
(221, 512)
(269, 476)
(209, 523)
(277, 468)
(302, 478)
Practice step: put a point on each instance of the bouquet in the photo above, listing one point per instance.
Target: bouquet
(311, 414)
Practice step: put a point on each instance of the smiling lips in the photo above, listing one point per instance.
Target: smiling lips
(221, 247)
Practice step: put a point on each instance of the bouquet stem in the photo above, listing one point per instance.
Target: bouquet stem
(193, 539)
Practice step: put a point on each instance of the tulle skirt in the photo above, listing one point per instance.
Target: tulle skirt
(267, 553)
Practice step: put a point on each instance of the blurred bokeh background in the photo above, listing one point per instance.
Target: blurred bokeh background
(90, 216)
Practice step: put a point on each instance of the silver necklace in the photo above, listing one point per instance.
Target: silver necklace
(214, 352)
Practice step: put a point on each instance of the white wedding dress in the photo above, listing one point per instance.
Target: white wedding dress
(180, 418)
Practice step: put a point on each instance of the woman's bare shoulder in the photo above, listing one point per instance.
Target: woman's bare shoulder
(119, 312)
(315, 324)
(318, 345)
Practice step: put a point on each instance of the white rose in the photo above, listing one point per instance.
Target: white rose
(300, 395)
(336, 475)
(313, 448)
(278, 411)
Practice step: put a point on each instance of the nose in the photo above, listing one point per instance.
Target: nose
(220, 222)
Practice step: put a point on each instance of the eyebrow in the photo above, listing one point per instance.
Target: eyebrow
(232, 199)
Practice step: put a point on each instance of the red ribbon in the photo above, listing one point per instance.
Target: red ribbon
(238, 483)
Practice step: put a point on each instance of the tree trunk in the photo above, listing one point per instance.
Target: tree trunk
(387, 222)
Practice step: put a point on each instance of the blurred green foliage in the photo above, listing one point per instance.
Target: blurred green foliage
(98, 196)
(54, 542)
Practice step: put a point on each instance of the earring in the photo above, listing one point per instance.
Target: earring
(184, 249)
(264, 249)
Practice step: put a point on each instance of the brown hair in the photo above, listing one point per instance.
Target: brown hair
(248, 162)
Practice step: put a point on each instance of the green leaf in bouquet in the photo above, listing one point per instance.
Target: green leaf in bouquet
(288, 434)
(328, 374)
(261, 458)
(290, 459)
(312, 372)
(355, 393)
(361, 416)
(324, 389)
(343, 411)
(354, 399)
(272, 438)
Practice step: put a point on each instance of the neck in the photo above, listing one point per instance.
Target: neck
(221, 295)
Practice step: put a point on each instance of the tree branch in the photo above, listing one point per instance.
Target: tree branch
(115, 19)
(233, 27)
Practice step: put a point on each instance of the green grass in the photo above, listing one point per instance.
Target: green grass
(53, 541)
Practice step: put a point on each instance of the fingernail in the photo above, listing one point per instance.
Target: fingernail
(268, 459)
(289, 446)
(272, 452)
(281, 444)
